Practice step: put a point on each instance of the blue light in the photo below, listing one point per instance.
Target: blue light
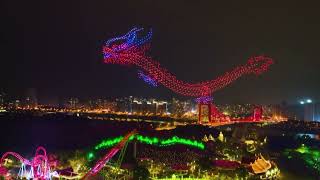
(301, 102)
(309, 101)
(149, 80)
(131, 38)
(204, 99)
(127, 41)
(127, 36)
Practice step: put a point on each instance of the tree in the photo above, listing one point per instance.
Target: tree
(205, 163)
(141, 173)
(78, 162)
(242, 172)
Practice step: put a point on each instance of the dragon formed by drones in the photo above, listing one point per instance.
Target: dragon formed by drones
(131, 48)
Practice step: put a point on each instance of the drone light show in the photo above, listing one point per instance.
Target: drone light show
(149, 80)
(131, 49)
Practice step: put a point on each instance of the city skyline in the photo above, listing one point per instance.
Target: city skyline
(44, 97)
(75, 66)
(54, 97)
(160, 90)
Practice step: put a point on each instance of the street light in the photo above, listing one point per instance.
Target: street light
(309, 101)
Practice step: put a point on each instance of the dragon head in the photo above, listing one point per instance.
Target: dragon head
(126, 44)
(259, 64)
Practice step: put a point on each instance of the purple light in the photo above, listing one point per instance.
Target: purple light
(204, 99)
(130, 49)
(149, 80)
(127, 42)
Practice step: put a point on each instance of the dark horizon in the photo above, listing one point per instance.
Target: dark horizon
(56, 97)
(58, 44)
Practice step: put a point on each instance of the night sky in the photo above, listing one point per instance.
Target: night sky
(55, 46)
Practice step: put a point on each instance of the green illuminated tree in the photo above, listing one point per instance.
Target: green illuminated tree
(78, 162)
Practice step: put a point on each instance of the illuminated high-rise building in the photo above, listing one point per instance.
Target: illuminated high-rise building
(124, 104)
(2, 100)
(17, 104)
(72, 103)
(177, 107)
(317, 112)
(31, 100)
(312, 112)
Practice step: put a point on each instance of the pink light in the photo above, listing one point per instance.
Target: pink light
(135, 54)
(102, 162)
(40, 161)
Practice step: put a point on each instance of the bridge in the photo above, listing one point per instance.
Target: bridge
(131, 49)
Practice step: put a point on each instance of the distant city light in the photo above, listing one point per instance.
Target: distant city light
(309, 101)
(225, 113)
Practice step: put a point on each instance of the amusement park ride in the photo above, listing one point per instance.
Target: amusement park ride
(43, 168)
(130, 49)
(37, 168)
(102, 162)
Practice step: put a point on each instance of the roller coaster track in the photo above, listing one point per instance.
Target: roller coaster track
(40, 168)
(102, 162)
